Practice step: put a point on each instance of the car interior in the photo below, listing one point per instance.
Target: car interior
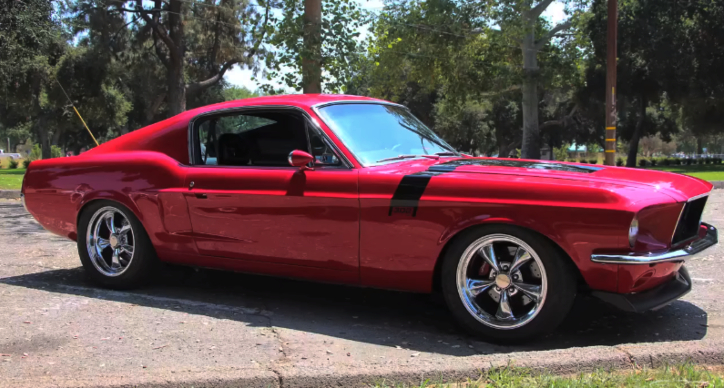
(258, 139)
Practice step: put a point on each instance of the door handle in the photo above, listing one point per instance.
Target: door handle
(201, 195)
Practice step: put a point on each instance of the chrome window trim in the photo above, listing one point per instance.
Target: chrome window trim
(694, 198)
(308, 118)
(317, 107)
(711, 238)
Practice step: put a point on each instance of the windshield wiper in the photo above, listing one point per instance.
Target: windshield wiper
(400, 157)
(446, 153)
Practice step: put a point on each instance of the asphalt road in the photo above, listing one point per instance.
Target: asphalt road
(207, 327)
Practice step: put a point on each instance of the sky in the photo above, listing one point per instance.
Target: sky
(242, 77)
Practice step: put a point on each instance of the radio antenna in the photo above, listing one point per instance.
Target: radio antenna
(76, 112)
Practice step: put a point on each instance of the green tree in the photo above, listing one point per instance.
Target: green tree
(31, 44)
(195, 42)
(521, 22)
(667, 70)
(237, 93)
(440, 52)
(334, 52)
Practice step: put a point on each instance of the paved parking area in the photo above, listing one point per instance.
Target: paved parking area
(213, 328)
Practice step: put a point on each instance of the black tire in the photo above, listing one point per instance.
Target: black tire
(143, 263)
(561, 286)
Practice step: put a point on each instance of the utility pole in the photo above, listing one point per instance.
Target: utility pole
(611, 83)
(312, 55)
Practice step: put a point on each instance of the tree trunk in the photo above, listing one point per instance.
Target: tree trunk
(699, 146)
(312, 55)
(56, 136)
(44, 137)
(176, 97)
(531, 134)
(175, 73)
(633, 147)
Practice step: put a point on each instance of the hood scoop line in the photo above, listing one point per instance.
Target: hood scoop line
(550, 166)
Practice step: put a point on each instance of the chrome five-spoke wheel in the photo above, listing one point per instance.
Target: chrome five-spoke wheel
(502, 281)
(507, 283)
(110, 241)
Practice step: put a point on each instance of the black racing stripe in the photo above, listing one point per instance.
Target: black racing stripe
(410, 190)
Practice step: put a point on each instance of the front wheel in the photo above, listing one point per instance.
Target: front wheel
(507, 284)
(113, 246)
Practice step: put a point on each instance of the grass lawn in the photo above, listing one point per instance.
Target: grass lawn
(11, 179)
(680, 376)
(707, 172)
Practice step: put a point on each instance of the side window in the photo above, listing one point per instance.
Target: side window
(249, 139)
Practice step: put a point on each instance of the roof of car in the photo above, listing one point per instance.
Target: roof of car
(300, 100)
(148, 138)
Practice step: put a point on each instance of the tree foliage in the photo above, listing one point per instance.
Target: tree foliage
(341, 20)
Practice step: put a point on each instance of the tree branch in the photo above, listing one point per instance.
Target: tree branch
(153, 107)
(139, 11)
(499, 92)
(547, 37)
(538, 9)
(562, 122)
(199, 86)
(253, 51)
(160, 54)
(159, 30)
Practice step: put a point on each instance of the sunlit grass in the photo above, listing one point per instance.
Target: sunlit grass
(11, 179)
(708, 172)
(669, 377)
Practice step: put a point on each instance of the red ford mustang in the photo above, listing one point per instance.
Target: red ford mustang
(356, 190)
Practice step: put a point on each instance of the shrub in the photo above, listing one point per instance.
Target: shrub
(654, 161)
(561, 153)
(689, 162)
(572, 160)
(13, 163)
(37, 153)
(707, 161)
(643, 162)
(56, 152)
(619, 162)
(593, 161)
(666, 161)
(26, 163)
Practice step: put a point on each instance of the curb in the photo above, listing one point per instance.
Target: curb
(10, 194)
(718, 184)
(450, 370)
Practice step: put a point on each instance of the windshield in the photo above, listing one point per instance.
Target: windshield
(374, 132)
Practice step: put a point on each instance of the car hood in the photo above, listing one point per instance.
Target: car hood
(678, 187)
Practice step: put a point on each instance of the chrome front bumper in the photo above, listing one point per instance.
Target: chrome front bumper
(711, 238)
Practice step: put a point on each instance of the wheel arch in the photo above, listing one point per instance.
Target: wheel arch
(451, 238)
(108, 196)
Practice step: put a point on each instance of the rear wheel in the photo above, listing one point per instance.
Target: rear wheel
(113, 246)
(506, 283)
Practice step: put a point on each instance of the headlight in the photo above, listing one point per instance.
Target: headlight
(633, 231)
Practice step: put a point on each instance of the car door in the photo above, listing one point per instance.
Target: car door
(247, 203)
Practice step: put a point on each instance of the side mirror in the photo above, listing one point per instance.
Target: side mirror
(298, 158)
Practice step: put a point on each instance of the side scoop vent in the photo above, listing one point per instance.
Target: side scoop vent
(689, 221)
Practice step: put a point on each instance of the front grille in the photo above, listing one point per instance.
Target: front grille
(689, 221)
